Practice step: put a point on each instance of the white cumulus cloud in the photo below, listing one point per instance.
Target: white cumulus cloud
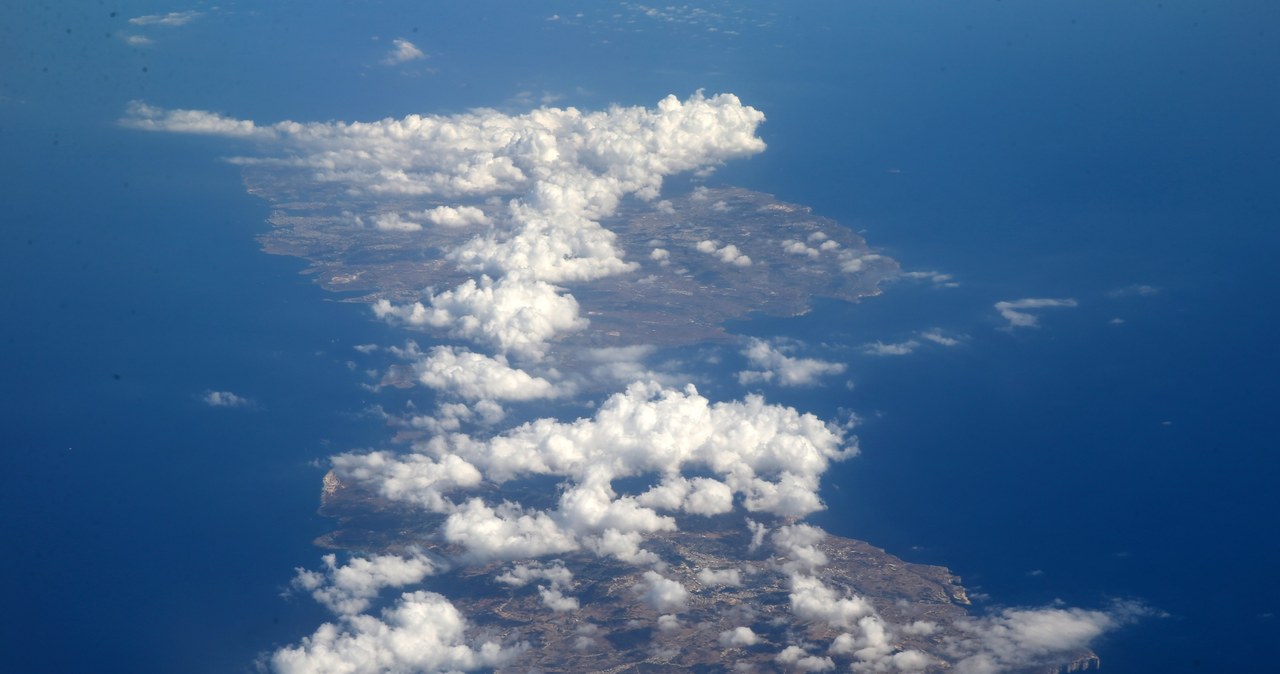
(423, 632)
(402, 51)
(475, 376)
(728, 254)
(454, 216)
(813, 601)
(507, 315)
(737, 637)
(720, 577)
(662, 594)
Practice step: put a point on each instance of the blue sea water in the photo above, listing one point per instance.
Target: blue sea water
(1066, 151)
(145, 530)
(1056, 150)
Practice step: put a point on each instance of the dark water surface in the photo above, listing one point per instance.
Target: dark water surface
(143, 528)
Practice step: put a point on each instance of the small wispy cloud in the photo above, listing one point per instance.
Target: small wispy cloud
(224, 399)
(937, 278)
(891, 349)
(529, 99)
(170, 19)
(1135, 290)
(775, 366)
(1014, 310)
(932, 336)
(144, 117)
(937, 337)
(402, 51)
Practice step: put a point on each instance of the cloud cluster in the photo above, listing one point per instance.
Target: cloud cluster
(1011, 640)
(562, 160)
(764, 458)
(813, 601)
(569, 169)
(798, 545)
(1015, 311)
(817, 244)
(424, 632)
(852, 262)
(728, 254)
(556, 579)
(773, 365)
(565, 161)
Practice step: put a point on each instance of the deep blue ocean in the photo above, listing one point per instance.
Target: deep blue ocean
(1072, 154)
(144, 530)
(1062, 150)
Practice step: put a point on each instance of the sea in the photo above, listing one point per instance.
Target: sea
(1121, 157)
(146, 531)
